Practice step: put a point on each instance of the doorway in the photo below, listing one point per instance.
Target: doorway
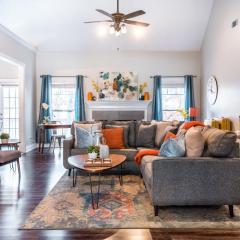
(12, 99)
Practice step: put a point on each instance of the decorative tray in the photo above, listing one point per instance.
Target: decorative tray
(98, 162)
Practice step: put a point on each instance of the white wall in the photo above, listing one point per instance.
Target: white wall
(145, 64)
(221, 57)
(8, 71)
(14, 49)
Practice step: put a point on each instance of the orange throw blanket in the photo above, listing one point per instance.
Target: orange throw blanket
(144, 152)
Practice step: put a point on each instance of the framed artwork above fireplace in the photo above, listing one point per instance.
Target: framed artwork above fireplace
(118, 86)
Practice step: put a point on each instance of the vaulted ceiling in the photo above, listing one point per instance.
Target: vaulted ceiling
(57, 25)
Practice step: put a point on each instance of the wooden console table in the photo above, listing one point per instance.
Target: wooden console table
(11, 144)
(42, 129)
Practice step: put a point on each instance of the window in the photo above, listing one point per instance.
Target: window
(173, 98)
(63, 98)
(10, 111)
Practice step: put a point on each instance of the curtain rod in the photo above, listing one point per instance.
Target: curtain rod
(172, 76)
(66, 76)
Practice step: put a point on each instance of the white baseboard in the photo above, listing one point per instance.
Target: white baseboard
(31, 147)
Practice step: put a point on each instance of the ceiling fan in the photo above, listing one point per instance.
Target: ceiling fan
(119, 20)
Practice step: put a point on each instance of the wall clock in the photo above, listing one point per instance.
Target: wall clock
(212, 90)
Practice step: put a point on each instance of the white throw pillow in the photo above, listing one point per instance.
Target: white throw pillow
(194, 142)
(81, 138)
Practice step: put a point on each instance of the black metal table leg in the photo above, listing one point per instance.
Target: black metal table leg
(120, 176)
(91, 189)
(74, 177)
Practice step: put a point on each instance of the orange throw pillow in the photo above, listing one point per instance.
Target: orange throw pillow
(188, 125)
(114, 137)
(169, 135)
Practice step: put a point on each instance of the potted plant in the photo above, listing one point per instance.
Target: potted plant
(4, 137)
(93, 152)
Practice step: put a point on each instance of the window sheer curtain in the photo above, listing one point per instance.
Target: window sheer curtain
(79, 100)
(189, 94)
(157, 99)
(46, 97)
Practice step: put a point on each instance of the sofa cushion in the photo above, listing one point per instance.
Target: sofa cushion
(146, 136)
(7, 156)
(125, 132)
(161, 131)
(128, 152)
(146, 169)
(131, 134)
(219, 142)
(194, 142)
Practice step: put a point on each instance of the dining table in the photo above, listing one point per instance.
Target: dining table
(42, 128)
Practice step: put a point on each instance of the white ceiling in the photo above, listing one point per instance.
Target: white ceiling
(57, 25)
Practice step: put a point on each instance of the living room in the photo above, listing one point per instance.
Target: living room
(119, 119)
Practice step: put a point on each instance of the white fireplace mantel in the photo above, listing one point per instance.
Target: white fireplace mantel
(144, 106)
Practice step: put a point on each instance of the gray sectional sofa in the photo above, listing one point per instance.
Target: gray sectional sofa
(179, 181)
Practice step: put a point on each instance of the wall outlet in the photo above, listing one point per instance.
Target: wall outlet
(234, 23)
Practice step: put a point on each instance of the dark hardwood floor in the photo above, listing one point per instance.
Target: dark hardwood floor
(39, 174)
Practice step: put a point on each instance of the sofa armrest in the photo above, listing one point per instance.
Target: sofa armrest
(67, 147)
(196, 181)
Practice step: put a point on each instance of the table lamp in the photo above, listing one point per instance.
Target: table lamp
(193, 113)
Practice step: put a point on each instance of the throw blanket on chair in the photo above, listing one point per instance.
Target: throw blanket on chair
(144, 152)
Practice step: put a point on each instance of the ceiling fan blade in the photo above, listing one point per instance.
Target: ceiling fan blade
(134, 14)
(142, 24)
(104, 13)
(99, 21)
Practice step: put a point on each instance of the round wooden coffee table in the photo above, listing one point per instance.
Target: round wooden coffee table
(78, 162)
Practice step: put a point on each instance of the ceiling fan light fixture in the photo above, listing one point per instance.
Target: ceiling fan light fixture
(123, 29)
(117, 33)
(112, 29)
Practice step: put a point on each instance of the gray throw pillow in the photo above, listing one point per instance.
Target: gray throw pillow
(125, 132)
(137, 127)
(146, 136)
(219, 143)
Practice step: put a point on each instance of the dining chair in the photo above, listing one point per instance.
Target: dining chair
(56, 136)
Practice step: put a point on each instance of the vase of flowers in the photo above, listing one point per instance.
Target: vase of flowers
(141, 90)
(184, 113)
(97, 89)
(93, 152)
(4, 137)
(46, 118)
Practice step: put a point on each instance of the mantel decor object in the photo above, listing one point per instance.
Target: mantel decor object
(104, 149)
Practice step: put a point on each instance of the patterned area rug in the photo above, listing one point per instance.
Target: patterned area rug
(126, 206)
